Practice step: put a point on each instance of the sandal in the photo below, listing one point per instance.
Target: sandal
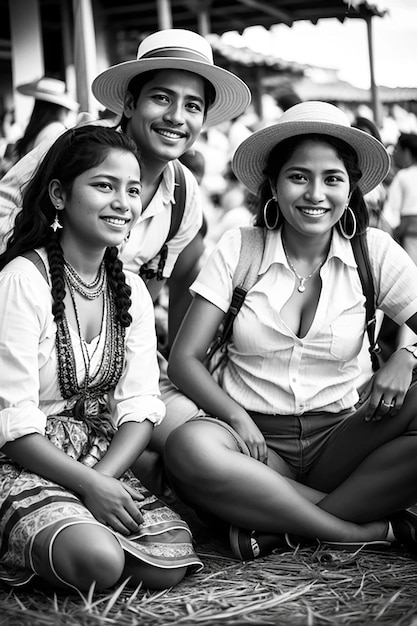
(404, 525)
(247, 545)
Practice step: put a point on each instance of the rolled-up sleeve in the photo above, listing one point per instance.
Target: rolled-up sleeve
(22, 321)
(136, 396)
(395, 276)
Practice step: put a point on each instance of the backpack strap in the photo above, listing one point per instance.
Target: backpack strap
(37, 260)
(177, 213)
(245, 276)
(361, 253)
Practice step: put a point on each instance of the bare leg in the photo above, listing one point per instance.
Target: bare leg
(84, 554)
(205, 466)
(276, 463)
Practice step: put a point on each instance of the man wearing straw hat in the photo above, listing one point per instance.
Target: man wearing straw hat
(164, 98)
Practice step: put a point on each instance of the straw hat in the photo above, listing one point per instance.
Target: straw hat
(175, 49)
(49, 90)
(251, 156)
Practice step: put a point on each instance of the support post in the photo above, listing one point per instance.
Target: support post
(85, 54)
(27, 52)
(164, 14)
(376, 105)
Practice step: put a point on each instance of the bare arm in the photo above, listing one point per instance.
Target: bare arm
(154, 287)
(187, 371)
(183, 275)
(107, 498)
(128, 443)
(37, 454)
(391, 383)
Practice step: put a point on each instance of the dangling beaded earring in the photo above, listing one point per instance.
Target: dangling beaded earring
(56, 224)
(267, 209)
(343, 220)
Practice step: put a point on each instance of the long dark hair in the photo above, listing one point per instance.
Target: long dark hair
(283, 151)
(74, 152)
(43, 113)
(138, 82)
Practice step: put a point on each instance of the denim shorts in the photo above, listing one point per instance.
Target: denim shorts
(298, 439)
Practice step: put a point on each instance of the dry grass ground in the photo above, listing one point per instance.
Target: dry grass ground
(309, 586)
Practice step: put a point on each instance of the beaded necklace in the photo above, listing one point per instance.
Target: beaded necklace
(87, 398)
(92, 290)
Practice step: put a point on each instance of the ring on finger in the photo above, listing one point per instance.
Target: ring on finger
(387, 406)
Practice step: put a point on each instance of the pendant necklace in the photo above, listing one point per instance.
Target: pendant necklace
(302, 279)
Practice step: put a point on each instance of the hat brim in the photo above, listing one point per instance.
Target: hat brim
(61, 100)
(250, 157)
(232, 94)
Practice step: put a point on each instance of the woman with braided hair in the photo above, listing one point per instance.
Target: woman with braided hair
(79, 392)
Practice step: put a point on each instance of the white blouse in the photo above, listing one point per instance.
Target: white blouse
(273, 371)
(29, 388)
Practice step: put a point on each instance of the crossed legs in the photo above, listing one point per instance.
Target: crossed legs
(209, 472)
(367, 472)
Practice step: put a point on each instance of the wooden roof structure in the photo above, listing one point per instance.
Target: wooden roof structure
(219, 16)
(77, 22)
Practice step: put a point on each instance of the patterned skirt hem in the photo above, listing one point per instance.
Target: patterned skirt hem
(144, 546)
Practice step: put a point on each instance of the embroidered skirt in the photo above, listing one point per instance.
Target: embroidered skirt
(30, 504)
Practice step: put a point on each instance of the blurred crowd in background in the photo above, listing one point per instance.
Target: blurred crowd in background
(227, 204)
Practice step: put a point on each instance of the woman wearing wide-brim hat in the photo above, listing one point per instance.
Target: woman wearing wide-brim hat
(294, 454)
(50, 115)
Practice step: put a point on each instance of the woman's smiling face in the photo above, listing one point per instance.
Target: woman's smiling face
(312, 188)
(104, 202)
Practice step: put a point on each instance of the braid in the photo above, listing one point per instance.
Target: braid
(118, 285)
(56, 265)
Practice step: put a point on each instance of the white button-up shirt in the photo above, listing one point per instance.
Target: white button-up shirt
(270, 369)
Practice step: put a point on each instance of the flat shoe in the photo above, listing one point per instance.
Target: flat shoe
(404, 526)
(356, 546)
(247, 545)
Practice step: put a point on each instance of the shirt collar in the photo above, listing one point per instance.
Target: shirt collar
(164, 195)
(274, 252)
(167, 185)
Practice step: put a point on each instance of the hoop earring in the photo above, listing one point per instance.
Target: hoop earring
(343, 226)
(266, 209)
(56, 224)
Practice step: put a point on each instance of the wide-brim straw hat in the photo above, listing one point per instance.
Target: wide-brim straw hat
(251, 155)
(49, 90)
(176, 49)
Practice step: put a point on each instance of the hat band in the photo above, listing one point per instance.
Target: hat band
(177, 53)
